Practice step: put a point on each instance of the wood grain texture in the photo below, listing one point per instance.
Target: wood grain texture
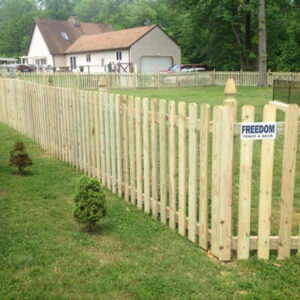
(203, 176)
(265, 190)
(245, 185)
(288, 180)
(172, 164)
(192, 200)
(182, 167)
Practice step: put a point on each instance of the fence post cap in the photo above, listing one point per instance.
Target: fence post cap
(230, 88)
(102, 82)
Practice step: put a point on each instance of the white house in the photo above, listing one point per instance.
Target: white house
(72, 45)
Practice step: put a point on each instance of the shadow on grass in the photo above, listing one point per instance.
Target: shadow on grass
(24, 174)
(103, 228)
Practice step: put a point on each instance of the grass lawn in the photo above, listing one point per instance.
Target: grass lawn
(213, 95)
(44, 254)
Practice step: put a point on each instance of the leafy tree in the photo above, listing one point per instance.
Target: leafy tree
(19, 157)
(222, 33)
(15, 23)
(90, 202)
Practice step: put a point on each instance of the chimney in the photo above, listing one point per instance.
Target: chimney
(74, 21)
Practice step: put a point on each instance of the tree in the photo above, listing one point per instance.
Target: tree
(19, 157)
(90, 202)
(15, 22)
(262, 53)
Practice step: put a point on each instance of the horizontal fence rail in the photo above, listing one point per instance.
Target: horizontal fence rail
(158, 80)
(175, 162)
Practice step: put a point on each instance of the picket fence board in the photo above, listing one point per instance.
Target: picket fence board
(112, 139)
(215, 192)
(203, 176)
(182, 167)
(118, 145)
(138, 143)
(226, 163)
(154, 159)
(192, 197)
(97, 136)
(102, 139)
(288, 180)
(245, 185)
(131, 149)
(125, 147)
(265, 190)
(107, 140)
(172, 164)
(146, 155)
(163, 161)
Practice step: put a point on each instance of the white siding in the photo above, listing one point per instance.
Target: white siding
(95, 63)
(155, 43)
(38, 48)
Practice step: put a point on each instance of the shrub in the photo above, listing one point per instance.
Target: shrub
(19, 157)
(90, 202)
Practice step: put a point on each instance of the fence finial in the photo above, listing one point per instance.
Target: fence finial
(103, 84)
(230, 92)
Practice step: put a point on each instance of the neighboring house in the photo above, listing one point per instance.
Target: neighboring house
(72, 44)
(50, 38)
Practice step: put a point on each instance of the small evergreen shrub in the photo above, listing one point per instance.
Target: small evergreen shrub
(19, 157)
(90, 202)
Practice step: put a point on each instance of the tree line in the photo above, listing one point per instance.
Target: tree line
(221, 33)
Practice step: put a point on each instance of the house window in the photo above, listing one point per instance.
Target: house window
(119, 55)
(73, 62)
(88, 58)
(65, 36)
(43, 61)
(102, 61)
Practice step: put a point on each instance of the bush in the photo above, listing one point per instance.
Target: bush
(19, 157)
(90, 202)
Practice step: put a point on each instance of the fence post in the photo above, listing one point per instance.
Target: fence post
(214, 77)
(102, 84)
(230, 91)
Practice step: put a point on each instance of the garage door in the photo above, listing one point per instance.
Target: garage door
(154, 64)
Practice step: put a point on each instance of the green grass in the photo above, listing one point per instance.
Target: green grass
(213, 95)
(44, 254)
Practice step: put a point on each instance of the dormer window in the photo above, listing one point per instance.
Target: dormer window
(65, 36)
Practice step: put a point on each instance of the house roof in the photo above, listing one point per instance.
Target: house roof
(110, 40)
(51, 31)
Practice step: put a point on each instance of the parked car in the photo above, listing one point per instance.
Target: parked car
(25, 68)
(186, 68)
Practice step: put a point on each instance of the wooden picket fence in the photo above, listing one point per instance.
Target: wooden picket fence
(170, 162)
(158, 80)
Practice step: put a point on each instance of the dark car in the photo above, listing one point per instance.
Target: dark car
(187, 68)
(24, 68)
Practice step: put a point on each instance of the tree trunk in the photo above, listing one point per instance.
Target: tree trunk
(262, 55)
